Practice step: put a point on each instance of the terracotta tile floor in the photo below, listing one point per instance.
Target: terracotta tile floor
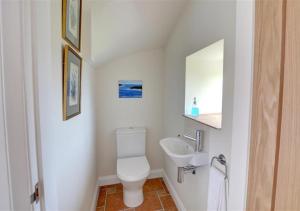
(156, 197)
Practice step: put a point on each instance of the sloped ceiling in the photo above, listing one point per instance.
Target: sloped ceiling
(213, 52)
(121, 27)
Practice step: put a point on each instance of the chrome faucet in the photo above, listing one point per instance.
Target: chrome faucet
(198, 140)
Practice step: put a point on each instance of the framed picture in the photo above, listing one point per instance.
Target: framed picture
(130, 89)
(71, 22)
(72, 68)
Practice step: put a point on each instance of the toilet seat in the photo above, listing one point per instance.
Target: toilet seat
(133, 169)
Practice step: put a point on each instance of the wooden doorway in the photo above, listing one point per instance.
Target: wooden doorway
(274, 175)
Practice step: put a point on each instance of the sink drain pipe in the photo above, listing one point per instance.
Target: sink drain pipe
(184, 170)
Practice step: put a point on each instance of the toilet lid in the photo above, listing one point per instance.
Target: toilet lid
(133, 169)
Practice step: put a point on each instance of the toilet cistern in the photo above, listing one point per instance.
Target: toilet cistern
(132, 165)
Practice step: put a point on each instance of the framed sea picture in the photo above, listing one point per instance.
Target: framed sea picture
(71, 22)
(72, 68)
(130, 89)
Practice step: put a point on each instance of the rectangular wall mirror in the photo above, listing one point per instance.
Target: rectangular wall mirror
(204, 85)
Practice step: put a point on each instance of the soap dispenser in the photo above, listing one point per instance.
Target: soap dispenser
(195, 109)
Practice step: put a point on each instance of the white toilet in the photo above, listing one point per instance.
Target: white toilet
(132, 165)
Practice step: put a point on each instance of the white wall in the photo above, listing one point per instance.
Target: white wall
(113, 112)
(202, 23)
(67, 147)
(242, 105)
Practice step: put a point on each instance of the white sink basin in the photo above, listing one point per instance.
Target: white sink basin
(182, 153)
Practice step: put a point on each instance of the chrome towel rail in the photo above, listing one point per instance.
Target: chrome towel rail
(222, 160)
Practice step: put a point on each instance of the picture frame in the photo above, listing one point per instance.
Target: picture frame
(71, 22)
(130, 89)
(72, 73)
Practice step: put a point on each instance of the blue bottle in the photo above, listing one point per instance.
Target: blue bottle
(195, 109)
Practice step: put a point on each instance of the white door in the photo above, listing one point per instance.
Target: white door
(17, 123)
(5, 194)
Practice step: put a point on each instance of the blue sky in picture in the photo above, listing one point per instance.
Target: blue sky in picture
(130, 89)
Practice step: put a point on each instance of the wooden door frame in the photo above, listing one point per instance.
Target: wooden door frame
(266, 103)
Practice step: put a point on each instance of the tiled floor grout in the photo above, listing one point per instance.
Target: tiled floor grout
(159, 196)
(155, 187)
(105, 201)
(160, 201)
